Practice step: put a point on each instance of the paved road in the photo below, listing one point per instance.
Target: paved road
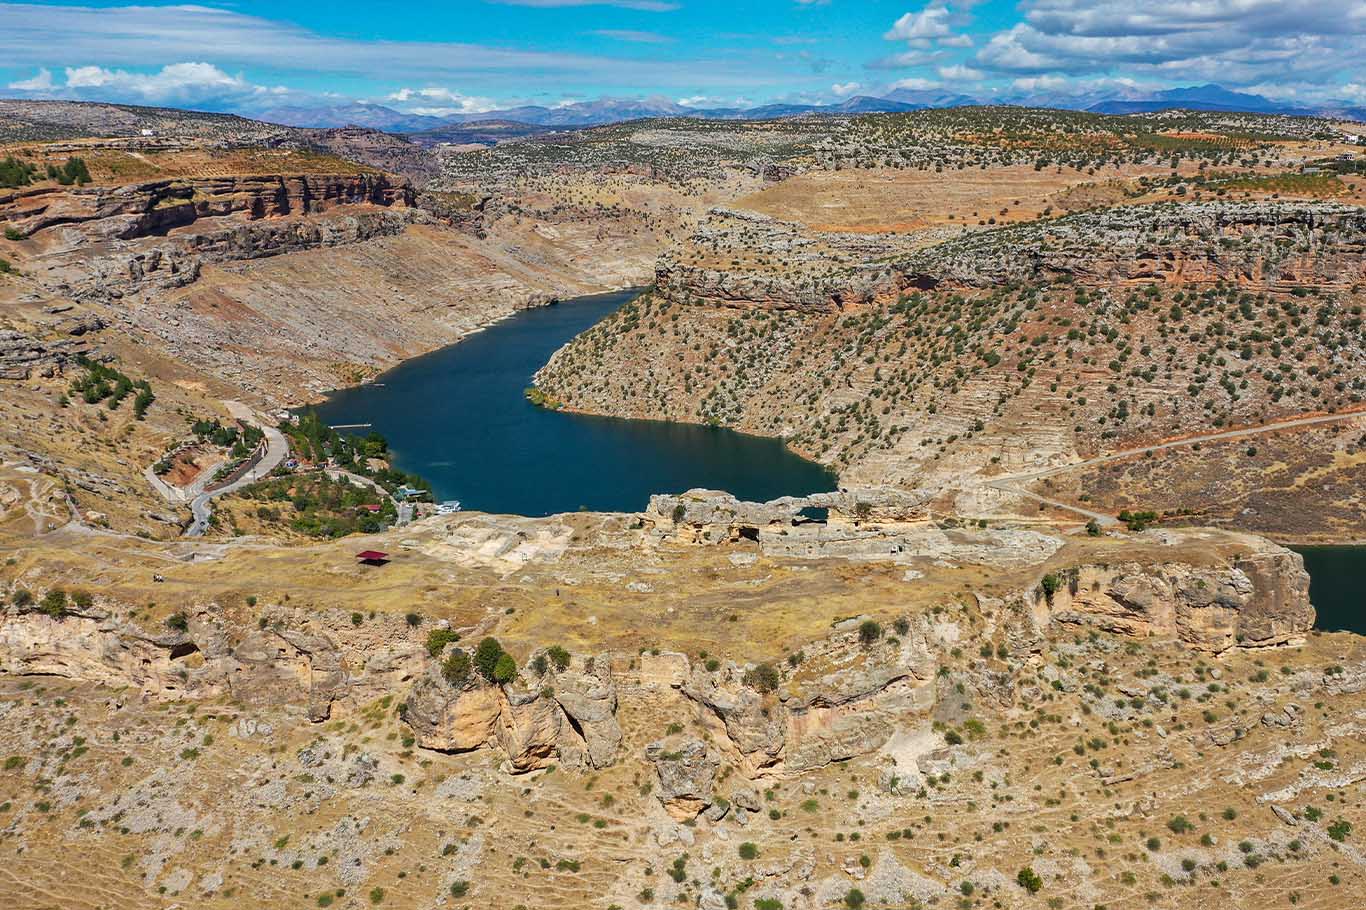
(277, 449)
(1014, 482)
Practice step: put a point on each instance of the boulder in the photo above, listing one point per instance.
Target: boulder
(685, 776)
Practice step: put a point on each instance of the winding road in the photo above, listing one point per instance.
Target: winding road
(1013, 483)
(277, 449)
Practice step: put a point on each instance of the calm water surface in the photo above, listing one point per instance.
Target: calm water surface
(458, 417)
(1337, 586)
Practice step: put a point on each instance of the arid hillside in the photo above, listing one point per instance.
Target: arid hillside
(917, 329)
(958, 681)
(216, 259)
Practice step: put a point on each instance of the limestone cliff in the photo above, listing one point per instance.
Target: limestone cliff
(1253, 600)
(1265, 245)
(156, 207)
(570, 720)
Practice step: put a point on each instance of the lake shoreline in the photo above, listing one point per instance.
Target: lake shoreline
(312, 399)
(459, 417)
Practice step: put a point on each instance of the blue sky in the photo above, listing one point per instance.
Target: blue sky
(470, 55)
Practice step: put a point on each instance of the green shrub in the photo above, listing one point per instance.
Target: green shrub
(505, 670)
(54, 603)
(763, 678)
(749, 850)
(457, 668)
(486, 657)
(437, 639)
(559, 657)
(869, 631)
(1029, 880)
(854, 899)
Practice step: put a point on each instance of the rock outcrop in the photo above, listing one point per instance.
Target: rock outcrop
(176, 261)
(846, 700)
(1255, 600)
(570, 721)
(22, 354)
(1263, 244)
(280, 663)
(713, 516)
(685, 776)
(154, 208)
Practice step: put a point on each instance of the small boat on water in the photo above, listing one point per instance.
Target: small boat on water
(449, 507)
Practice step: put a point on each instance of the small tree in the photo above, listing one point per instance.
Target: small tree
(486, 657)
(54, 603)
(763, 678)
(1029, 880)
(869, 631)
(559, 657)
(437, 639)
(505, 670)
(457, 668)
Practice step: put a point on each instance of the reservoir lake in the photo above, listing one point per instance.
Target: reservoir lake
(459, 418)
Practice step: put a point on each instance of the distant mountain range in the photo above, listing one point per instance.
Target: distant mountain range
(529, 119)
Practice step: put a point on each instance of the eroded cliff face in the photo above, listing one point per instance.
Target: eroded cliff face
(569, 720)
(1257, 600)
(288, 660)
(847, 700)
(136, 210)
(857, 691)
(1265, 245)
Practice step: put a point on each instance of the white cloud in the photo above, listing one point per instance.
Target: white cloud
(441, 102)
(844, 89)
(138, 37)
(1031, 84)
(41, 82)
(1232, 41)
(930, 22)
(907, 60)
(915, 85)
(187, 84)
(960, 73)
(179, 80)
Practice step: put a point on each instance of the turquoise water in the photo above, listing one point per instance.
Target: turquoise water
(1337, 586)
(458, 418)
